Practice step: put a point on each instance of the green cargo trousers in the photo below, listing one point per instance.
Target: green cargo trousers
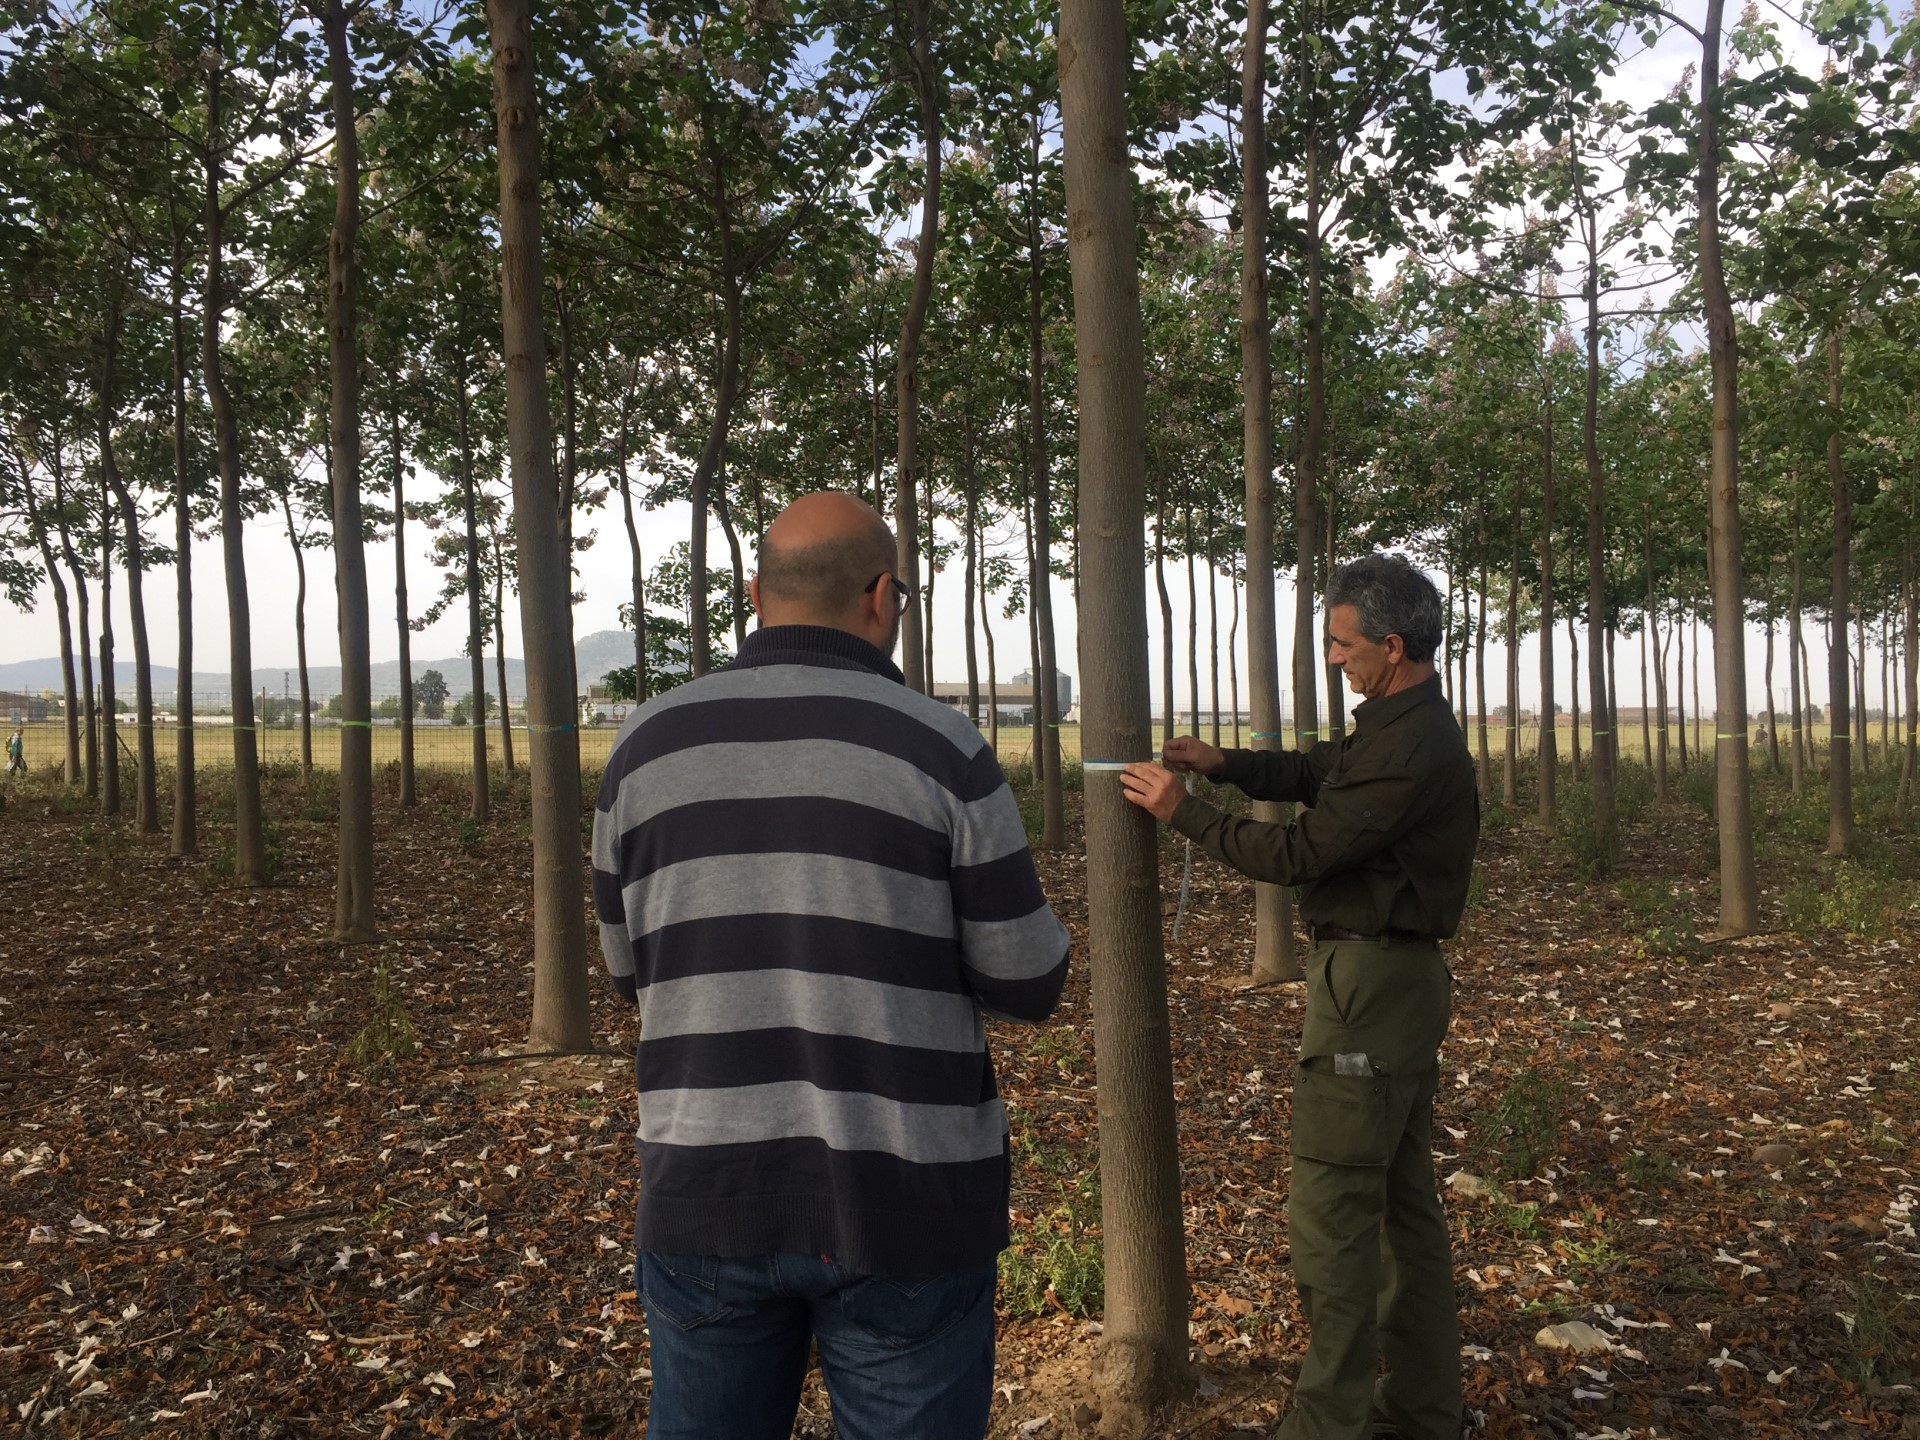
(1371, 1257)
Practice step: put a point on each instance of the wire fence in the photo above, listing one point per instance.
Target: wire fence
(445, 741)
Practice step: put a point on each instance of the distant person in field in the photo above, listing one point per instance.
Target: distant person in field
(17, 752)
(815, 882)
(1383, 853)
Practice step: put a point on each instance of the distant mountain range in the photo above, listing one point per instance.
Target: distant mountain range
(593, 654)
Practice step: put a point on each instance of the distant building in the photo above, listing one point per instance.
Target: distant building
(597, 709)
(1015, 696)
(22, 709)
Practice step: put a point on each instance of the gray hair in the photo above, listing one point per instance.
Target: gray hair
(1390, 597)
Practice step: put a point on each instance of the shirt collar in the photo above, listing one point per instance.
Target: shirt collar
(814, 645)
(1371, 714)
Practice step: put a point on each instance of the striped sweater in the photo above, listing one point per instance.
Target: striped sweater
(815, 881)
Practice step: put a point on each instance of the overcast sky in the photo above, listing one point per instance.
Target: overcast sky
(604, 577)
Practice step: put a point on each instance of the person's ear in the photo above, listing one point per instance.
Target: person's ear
(1396, 648)
(875, 603)
(753, 594)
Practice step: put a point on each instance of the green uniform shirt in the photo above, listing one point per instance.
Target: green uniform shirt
(1394, 816)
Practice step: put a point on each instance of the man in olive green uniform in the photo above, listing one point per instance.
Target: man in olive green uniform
(1383, 854)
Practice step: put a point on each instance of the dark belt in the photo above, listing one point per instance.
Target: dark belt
(1324, 933)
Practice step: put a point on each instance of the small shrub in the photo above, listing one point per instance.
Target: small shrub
(1647, 899)
(1873, 1348)
(1646, 1169)
(1698, 785)
(1594, 855)
(1495, 817)
(1803, 817)
(472, 833)
(227, 857)
(1060, 1263)
(1676, 939)
(388, 1036)
(1520, 1131)
(1587, 1259)
(1521, 1221)
(1861, 901)
(1032, 815)
(1632, 792)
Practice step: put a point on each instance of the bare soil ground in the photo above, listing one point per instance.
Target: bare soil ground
(213, 1221)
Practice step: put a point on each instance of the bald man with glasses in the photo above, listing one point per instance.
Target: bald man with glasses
(816, 884)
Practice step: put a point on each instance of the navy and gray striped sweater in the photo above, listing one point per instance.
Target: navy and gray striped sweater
(815, 881)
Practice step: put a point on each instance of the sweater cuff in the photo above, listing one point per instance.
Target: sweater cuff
(1193, 817)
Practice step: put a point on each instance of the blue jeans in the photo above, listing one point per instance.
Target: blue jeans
(901, 1357)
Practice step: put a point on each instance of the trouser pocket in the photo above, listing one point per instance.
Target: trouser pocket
(1340, 1119)
(681, 1289)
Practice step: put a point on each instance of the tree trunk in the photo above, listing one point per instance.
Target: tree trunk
(185, 839)
(1662, 773)
(1606, 745)
(300, 638)
(1461, 639)
(1910, 626)
(569, 429)
(1037, 754)
(1233, 658)
(925, 77)
(1839, 744)
(1046, 714)
(1656, 757)
(249, 833)
(929, 576)
(560, 1019)
(712, 456)
(1886, 692)
(1796, 668)
(1693, 628)
(146, 783)
(1573, 689)
(1274, 956)
(1306, 487)
(1863, 750)
(70, 707)
(500, 660)
(1213, 646)
(993, 673)
(1613, 687)
(403, 621)
(1646, 710)
(1166, 623)
(1480, 684)
(971, 521)
(1336, 677)
(90, 739)
(482, 802)
(1680, 684)
(1773, 729)
(1510, 779)
(109, 719)
(1739, 885)
(354, 918)
(737, 585)
(1549, 758)
(1142, 1365)
(1193, 630)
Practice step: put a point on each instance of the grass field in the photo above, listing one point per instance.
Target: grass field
(449, 747)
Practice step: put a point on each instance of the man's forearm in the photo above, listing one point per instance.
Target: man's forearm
(1267, 774)
(1255, 848)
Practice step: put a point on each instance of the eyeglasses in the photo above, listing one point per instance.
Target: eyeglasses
(906, 595)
